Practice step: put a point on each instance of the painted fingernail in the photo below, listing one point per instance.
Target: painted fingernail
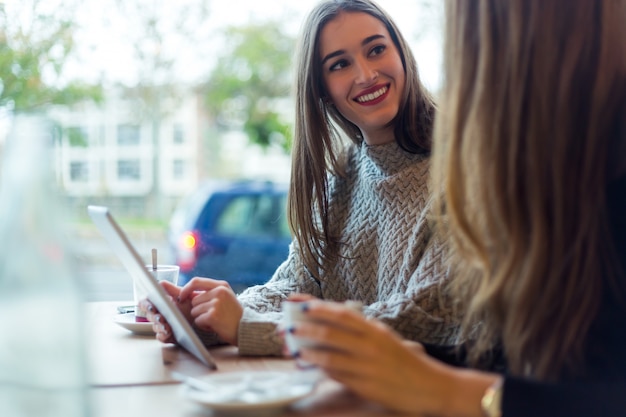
(304, 307)
(291, 329)
(296, 354)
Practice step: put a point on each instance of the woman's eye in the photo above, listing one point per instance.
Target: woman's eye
(338, 65)
(377, 50)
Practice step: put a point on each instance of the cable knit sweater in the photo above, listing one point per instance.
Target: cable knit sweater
(390, 259)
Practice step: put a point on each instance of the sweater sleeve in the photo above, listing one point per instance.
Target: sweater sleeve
(424, 312)
(262, 306)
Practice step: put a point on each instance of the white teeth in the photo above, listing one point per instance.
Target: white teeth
(372, 96)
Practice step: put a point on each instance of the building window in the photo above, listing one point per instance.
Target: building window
(77, 136)
(128, 169)
(101, 141)
(179, 133)
(127, 135)
(178, 169)
(79, 171)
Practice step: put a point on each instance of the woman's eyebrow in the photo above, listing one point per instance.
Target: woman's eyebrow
(342, 51)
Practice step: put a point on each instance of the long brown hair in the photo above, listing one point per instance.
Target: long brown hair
(320, 129)
(533, 115)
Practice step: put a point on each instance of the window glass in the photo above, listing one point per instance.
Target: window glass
(178, 169)
(236, 218)
(128, 135)
(152, 99)
(79, 171)
(263, 222)
(77, 136)
(283, 223)
(179, 133)
(128, 170)
(251, 216)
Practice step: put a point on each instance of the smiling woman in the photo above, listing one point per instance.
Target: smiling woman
(136, 127)
(358, 209)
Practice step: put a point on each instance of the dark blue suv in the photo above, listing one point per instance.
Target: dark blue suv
(234, 231)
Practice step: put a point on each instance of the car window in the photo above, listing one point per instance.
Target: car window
(283, 224)
(248, 216)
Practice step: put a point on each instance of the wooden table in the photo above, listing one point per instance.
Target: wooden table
(129, 375)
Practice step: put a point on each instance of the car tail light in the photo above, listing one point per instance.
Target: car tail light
(187, 246)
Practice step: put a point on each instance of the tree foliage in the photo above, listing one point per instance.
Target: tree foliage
(250, 84)
(155, 29)
(35, 43)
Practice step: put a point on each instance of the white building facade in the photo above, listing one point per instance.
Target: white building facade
(107, 154)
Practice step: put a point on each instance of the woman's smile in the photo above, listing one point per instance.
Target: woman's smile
(373, 95)
(363, 73)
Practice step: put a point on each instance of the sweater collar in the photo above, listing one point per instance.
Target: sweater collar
(389, 158)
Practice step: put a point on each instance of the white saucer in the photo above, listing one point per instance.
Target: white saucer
(250, 393)
(128, 322)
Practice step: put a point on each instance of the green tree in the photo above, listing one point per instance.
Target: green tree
(251, 82)
(36, 41)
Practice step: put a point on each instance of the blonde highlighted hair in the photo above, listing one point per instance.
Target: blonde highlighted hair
(531, 131)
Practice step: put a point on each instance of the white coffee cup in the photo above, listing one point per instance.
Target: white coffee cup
(167, 273)
(294, 313)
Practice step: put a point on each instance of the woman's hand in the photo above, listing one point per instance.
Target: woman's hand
(214, 307)
(160, 326)
(372, 360)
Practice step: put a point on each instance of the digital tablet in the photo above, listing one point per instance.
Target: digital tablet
(183, 332)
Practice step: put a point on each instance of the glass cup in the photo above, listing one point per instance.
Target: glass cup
(167, 273)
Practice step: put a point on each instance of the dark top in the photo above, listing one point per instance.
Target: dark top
(602, 391)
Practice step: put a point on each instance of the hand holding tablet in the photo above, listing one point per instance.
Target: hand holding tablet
(182, 331)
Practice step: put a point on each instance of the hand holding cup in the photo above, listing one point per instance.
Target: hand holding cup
(294, 313)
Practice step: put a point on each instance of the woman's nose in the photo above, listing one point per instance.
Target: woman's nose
(365, 74)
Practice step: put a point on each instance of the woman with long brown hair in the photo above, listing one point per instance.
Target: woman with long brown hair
(530, 162)
(360, 177)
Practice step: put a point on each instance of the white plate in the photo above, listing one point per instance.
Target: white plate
(258, 393)
(128, 322)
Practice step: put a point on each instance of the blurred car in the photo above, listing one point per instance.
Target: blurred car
(234, 231)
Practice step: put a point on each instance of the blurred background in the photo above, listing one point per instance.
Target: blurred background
(160, 108)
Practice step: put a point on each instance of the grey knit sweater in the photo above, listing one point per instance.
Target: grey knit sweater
(391, 261)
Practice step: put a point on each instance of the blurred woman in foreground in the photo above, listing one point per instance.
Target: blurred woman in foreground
(530, 159)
